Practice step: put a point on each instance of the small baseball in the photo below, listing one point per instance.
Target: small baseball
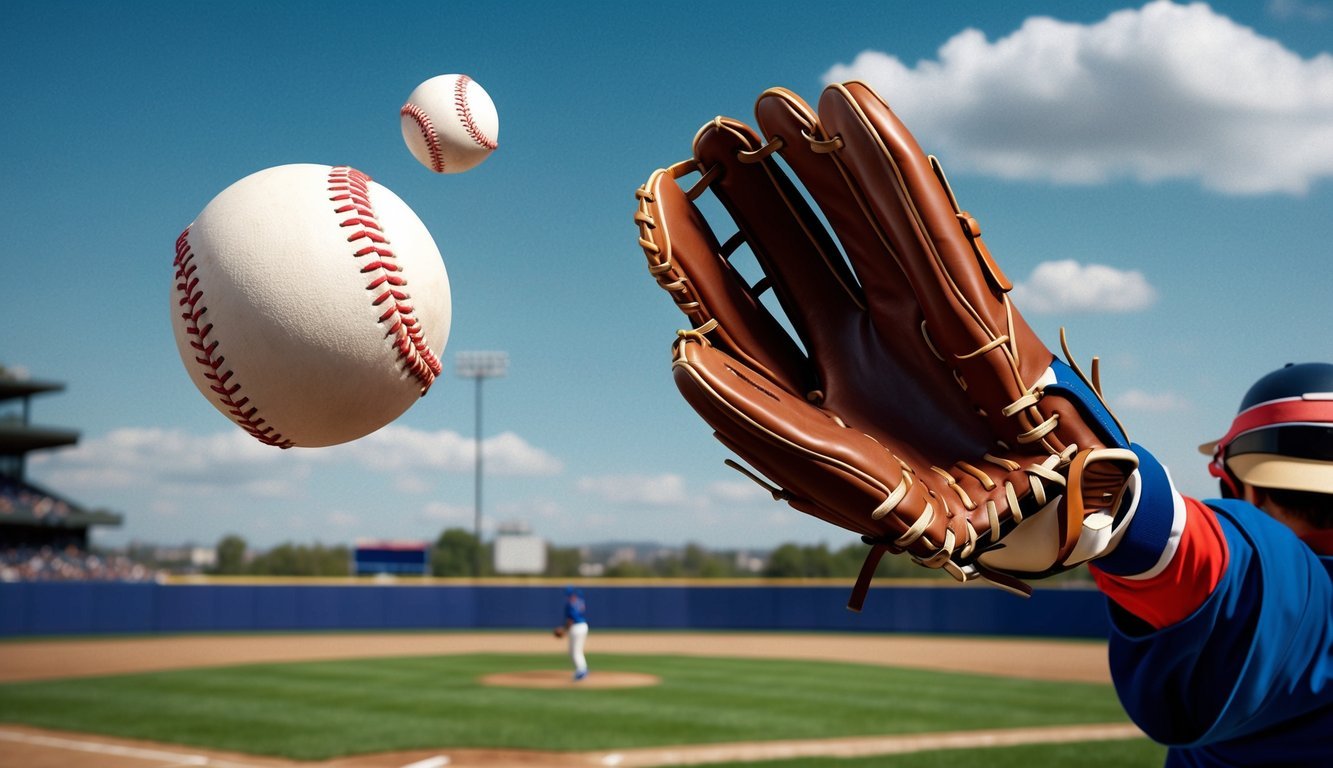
(450, 124)
(310, 305)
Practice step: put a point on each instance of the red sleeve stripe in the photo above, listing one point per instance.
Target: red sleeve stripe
(1178, 589)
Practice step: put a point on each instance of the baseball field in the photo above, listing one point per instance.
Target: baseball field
(430, 699)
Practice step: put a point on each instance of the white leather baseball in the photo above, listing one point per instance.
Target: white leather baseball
(450, 124)
(310, 305)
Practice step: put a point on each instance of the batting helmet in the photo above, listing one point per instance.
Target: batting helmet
(1283, 435)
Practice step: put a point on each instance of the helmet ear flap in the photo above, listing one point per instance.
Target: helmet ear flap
(1228, 483)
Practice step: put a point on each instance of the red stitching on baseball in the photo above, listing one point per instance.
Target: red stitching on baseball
(351, 190)
(214, 366)
(465, 113)
(428, 134)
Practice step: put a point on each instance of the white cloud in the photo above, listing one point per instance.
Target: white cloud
(230, 462)
(647, 490)
(170, 461)
(395, 447)
(509, 454)
(718, 500)
(665, 507)
(1067, 286)
(1163, 92)
(398, 448)
(738, 491)
(1151, 402)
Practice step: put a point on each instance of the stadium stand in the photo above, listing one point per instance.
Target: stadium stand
(42, 535)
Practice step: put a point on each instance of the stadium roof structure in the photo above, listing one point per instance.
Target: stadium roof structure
(17, 435)
(17, 438)
(11, 388)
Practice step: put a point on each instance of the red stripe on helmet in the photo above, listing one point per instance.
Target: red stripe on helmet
(1272, 413)
(1276, 412)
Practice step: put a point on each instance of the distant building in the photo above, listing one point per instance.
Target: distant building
(186, 558)
(32, 517)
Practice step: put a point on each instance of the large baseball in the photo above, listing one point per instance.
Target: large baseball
(310, 305)
(449, 123)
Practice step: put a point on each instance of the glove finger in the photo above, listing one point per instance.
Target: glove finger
(887, 374)
(785, 118)
(961, 290)
(687, 260)
(801, 262)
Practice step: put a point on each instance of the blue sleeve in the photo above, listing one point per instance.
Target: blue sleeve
(1256, 657)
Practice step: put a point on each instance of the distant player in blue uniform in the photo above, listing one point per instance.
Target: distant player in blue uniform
(576, 629)
(1222, 611)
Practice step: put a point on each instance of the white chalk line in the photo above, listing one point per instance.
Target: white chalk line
(660, 757)
(172, 759)
(861, 746)
(431, 762)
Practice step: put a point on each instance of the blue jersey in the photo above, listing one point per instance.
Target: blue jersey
(575, 610)
(1247, 678)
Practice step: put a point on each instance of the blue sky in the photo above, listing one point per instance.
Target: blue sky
(1155, 178)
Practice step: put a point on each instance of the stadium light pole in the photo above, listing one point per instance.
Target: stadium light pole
(479, 366)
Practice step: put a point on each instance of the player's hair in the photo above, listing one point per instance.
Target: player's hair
(1308, 506)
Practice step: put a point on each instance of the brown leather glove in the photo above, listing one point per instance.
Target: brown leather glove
(911, 403)
(559, 631)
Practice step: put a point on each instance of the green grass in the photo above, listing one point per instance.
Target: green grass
(320, 710)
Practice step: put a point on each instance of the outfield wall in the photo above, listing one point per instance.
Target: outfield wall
(68, 608)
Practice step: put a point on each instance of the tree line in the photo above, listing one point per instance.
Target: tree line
(456, 552)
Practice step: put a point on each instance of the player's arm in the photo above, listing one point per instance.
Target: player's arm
(1222, 618)
(1172, 555)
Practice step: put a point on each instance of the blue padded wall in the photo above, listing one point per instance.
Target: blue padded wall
(65, 608)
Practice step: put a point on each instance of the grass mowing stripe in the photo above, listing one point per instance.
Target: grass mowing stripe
(319, 710)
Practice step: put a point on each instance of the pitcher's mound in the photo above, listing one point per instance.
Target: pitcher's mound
(551, 678)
